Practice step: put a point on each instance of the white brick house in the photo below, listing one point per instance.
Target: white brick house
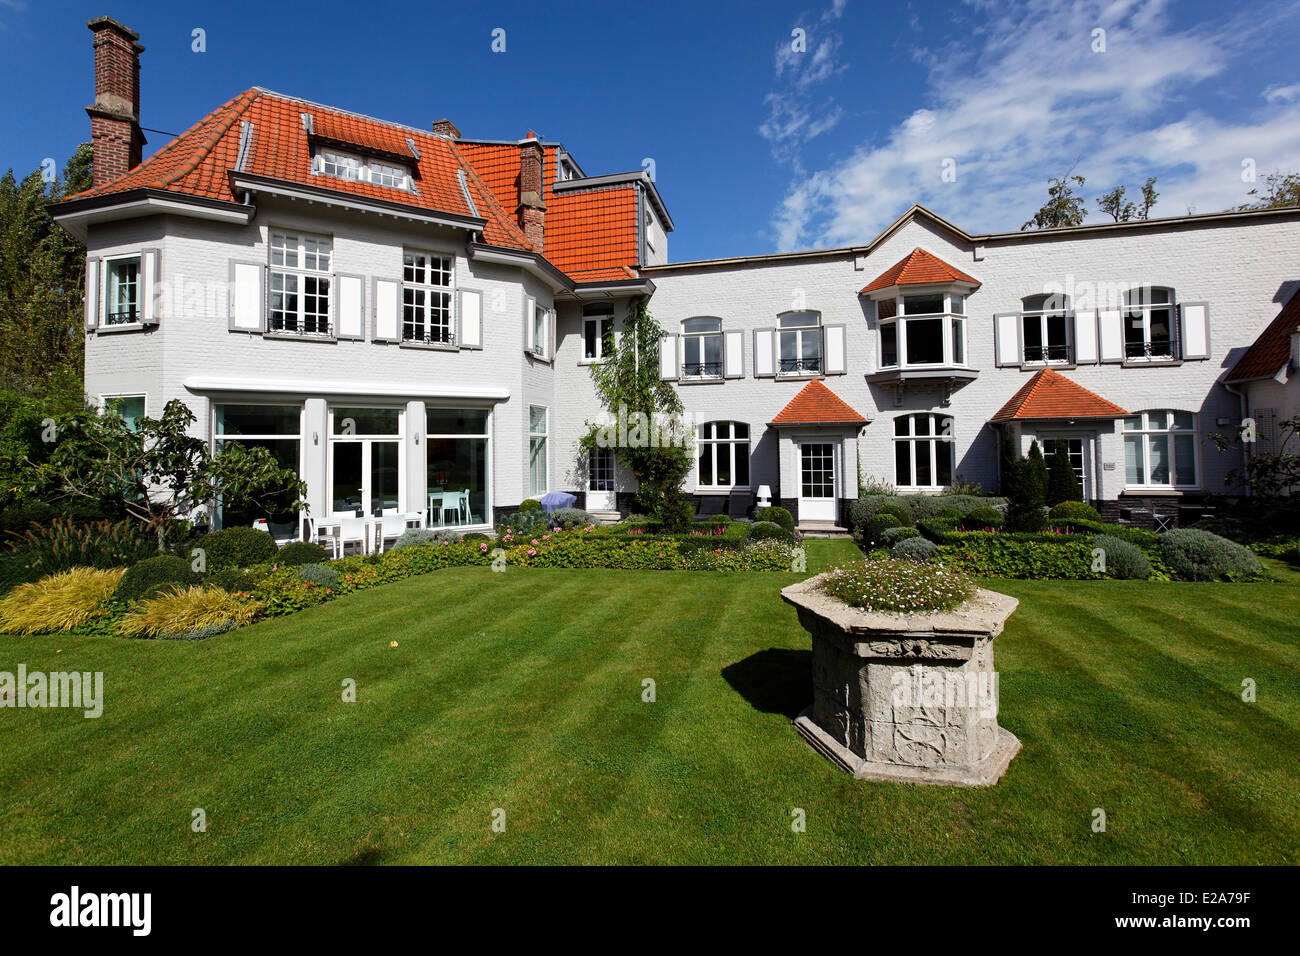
(408, 316)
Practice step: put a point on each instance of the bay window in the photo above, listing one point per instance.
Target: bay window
(923, 450)
(922, 330)
(723, 456)
(800, 341)
(300, 284)
(702, 344)
(426, 299)
(1160, 450)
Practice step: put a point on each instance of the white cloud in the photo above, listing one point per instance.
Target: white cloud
(796, 114)
(1023, 96)
(1283, 94)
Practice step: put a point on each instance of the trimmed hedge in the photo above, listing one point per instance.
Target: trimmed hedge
(1073, 510)
(298, 553)
(1196, 555)
(977, 519)
(530, 504)
(1021, 556)
(769, 530)
(152, 576)
(892, 536)
(912, 509)
(776, 515)
(237, 548)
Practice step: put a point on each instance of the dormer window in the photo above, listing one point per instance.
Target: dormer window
(357, 168)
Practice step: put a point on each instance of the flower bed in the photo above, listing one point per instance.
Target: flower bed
(898, 586)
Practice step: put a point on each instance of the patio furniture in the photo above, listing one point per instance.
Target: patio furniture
(440, 502)
(1164, 522)
(353, 530)
(391, 526)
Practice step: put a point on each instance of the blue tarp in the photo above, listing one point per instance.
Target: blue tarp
(557, 499)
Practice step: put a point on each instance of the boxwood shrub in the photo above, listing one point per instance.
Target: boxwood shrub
(776, 515)
(1073, 510)
(1123, 560)
(1001, 555)
(892, 536)
(767, 530)
(977, 519)
(237, 548)
(297, 553)
(1195, 555)
(151, 576)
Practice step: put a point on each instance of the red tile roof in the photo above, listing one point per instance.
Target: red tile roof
(1050, 395)
(817, 405)
(1272, 350)
(591, 235)
(918, 267)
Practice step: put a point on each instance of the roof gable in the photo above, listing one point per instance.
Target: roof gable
(1271, 352)
(1049, 395)
(817, 405)
(918, 267)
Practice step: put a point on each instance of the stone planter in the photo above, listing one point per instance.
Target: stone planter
(910, 698)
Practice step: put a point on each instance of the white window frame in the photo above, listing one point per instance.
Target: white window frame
(703, 375)
(115, 396)
(301, 275)
(1145, 433)
(914, 439)
(214, 437)
(1143, 307)
(353, 167)
(1081, 472)
(813, 328)
(953, 327)
(434, 263)
(729, 446)
(541, 330)
(537, 444)
(1041, 317)
(604, 323)
(109, 262)
(486, 435)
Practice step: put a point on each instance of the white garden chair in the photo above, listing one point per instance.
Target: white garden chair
(352, 530)
(391, 526)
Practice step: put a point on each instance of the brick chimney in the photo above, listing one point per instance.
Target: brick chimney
(115, 115)
(531, 213)
(445, 127)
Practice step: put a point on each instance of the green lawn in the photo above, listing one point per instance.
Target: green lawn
(523, 690)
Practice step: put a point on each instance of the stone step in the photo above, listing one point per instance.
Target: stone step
(605, 517)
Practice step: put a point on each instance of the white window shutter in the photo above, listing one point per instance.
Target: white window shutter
(833, 335)
(349, 309)
(1195, 319)
(668, 358)
(529, 304)
(92, 292)
(764, 364)
(1006, 339)
(386, 311)
(551, 343)
(1110, 333)
(471, 319)
(150, 288)
(733, 355)
(1085, 337)
(247, 303)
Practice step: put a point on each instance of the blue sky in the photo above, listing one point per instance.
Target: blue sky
(757, 146)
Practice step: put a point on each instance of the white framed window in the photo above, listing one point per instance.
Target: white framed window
(702, 347)
(130, 408)
(537, 435)
(356, 168)
(122, 290)
(427, 285)
(1161, 450)
(278, 429)
(597, 331)
(300, 284)
(923, 450)
(926, 329)
(1045, 329)
(1075, 450)
(600, 469)
(799, 338)
(1150, 331)
(723, 456)
(540, 325)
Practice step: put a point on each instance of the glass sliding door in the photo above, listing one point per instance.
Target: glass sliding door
(366, 460)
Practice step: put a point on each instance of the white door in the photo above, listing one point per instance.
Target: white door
(600, 480)
(818, 488)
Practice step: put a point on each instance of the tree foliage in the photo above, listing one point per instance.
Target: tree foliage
(1280, 189)
(155, 471)
(645, 428)
(1269, 475)
(1062, 482)
(1118, 207)
(1064, 207)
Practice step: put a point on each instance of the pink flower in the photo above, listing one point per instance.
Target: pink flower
(483, 546)
(533, 542)
(546, 537)
(556, 529)
(532, 552)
